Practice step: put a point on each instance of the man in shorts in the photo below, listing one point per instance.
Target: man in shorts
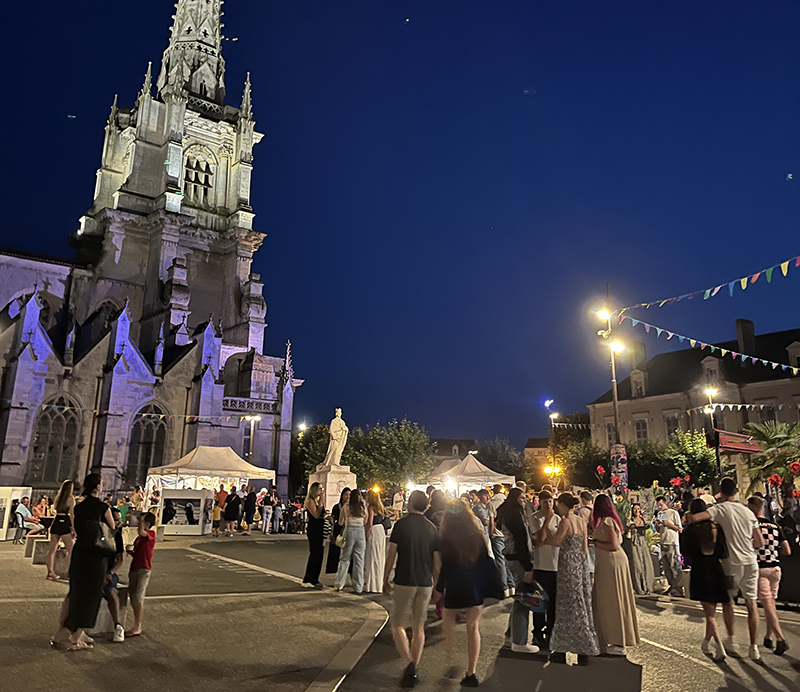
(769, 572)
(139, 574)
(414, 542)
(743, 537)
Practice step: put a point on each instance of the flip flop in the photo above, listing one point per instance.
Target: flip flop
(80, 646)
(131, 633)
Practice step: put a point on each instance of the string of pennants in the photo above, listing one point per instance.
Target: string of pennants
(696, 343)
(153, 416)
(743, 407)
(707, 293)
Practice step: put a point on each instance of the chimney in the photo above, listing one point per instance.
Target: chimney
(746, 336)
(638, 356)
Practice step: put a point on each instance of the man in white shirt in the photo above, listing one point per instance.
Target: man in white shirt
(397, 504)
(743, 537)
(545, 567)
(668, 523)
(28, 522)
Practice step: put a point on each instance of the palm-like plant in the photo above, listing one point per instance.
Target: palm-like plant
(779, 462)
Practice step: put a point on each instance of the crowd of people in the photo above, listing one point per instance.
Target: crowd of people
(572, 562)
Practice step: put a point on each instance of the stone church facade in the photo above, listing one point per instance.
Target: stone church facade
(150, 341)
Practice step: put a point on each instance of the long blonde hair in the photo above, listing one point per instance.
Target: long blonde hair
(374, 502)
(313, 492)
(61, 503)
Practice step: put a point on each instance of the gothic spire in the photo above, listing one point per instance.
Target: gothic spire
(147, 87)
(246, 109)
(193, 62)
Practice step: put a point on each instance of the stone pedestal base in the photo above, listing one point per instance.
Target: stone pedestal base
(334, 479)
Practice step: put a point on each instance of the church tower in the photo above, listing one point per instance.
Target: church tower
(171, 226)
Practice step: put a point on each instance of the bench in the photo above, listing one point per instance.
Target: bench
(40, 550)
(31, 541)
(104, 623)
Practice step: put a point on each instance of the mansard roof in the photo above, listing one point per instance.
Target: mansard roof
(679, 371)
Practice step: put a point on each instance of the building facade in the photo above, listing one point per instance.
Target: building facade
(668, 392)
(151, 340)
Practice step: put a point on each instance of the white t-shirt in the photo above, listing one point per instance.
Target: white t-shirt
(545, 557)
(738, 522)
(668, 536)
(397, 502)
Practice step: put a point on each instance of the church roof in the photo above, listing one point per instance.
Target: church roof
(38, 256)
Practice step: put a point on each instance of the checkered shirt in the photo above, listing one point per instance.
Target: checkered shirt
(768, 555)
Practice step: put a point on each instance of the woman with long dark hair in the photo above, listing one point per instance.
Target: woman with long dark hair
(334, 551)
(461, 580)
(613, 601)
(61, 530)
(88, 567)
(353, 519)
(511, 521)
(704, 543)
(574, 630)
(315, 507)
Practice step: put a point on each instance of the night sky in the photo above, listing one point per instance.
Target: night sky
(445, 197)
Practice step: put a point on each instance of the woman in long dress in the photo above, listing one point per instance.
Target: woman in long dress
(641, 563)
(315, 506)
(334, 552)
(88, 566)
(574, 630)
(375, 557)
(614, 607)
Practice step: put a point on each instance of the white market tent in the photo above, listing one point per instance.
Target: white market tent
(467, 474)
(206, 467)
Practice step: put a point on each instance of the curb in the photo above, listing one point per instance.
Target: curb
(791, 617)
(332, 675)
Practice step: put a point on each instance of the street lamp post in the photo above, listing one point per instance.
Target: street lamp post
(553, 417)
(613, 347)
(252, 420)
(710, 392)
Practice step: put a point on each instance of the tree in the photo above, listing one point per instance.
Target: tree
(389, 454)
(649, 461)
(500, 455)
(693, 457)
(580, 460)
(779, 464)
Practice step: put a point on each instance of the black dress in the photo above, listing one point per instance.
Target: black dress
(87, 568)
(316, 548)
(332, 565)
(461, 583)
(707, 580)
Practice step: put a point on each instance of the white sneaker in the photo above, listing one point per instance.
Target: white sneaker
(525, 648)
(719, 652)
(730, 647)
(506, 593)
(119, 634)
(307, 585)
(755, 654)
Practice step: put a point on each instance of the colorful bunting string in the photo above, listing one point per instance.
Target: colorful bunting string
(696, 343)
(707, 293)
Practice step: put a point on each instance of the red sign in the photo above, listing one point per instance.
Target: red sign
(737, 443)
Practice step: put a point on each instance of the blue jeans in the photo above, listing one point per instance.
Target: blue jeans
(355, 544)
(276, 519)
(519, 620)
(506, 578)
(266, 517)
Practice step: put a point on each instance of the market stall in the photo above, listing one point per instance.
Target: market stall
(186, 486)
(467, 474)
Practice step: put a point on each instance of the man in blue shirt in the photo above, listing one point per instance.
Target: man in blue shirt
(26, 519)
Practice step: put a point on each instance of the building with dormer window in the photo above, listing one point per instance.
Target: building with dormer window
(151, 340)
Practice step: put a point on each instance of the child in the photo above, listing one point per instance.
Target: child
(110, 592)
(216, 519)
(139, 574)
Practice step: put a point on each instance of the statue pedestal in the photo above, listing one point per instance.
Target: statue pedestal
(333, 479)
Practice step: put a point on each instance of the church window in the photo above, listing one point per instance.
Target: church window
(109, 311)
(198, 178)
(148, 444)
(54, 457)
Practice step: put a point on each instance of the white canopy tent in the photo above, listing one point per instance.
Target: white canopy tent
(467, 474)
(206, 467)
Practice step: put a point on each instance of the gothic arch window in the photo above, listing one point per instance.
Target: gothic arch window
(54, 457)
(148, 444)
(198, 177)
(109, 311)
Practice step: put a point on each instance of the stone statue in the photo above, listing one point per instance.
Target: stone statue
(338, 432)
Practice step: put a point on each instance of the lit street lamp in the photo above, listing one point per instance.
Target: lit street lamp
(710, 392)
(553, 472)
(553, 417)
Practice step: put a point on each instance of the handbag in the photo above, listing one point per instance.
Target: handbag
(339, 542)
(533, 597)
(101, 537)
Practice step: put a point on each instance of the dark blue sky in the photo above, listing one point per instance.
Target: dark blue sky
(446, 197)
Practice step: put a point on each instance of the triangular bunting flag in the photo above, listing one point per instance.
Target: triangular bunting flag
(754, 360)
(768, 274)
(681, 338)
(755, 277)
(716, 290)
(702, 345)
(713, 348)
(785, 268)
(634, 322)
(743, 282)
(730, 288)
(794, 371)
(692, 343)
(707, 294)
(658, 331)
(646, 327)
(774, 365)
(724, 352)
(764, 362)
(670, 335)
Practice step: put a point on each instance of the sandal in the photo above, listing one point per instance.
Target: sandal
(53, 577)
(131, 633)
(79, 646)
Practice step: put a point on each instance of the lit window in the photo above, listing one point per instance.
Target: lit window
(641, 429)
(198, 179)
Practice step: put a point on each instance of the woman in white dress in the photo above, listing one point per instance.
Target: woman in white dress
(375, 558)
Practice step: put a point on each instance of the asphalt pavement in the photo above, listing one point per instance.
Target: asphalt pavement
(219, 614)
